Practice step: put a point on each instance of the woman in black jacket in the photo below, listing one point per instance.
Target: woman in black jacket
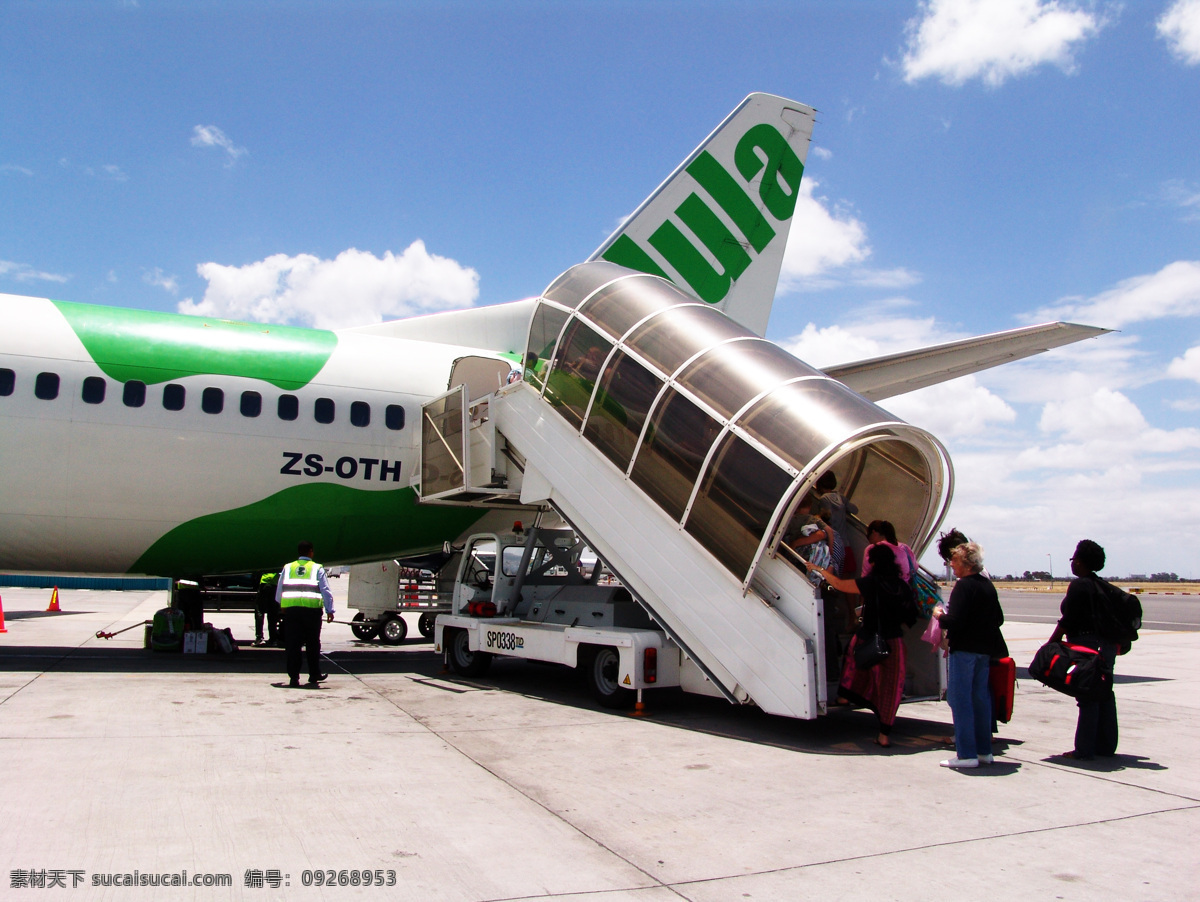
(972, 622)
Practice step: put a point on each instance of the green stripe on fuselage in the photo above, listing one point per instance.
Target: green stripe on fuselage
(158, 347)
(344, 524)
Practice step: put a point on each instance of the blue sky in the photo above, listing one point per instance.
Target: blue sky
(976, 166)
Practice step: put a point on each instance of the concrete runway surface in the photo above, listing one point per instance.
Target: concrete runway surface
(119, 761)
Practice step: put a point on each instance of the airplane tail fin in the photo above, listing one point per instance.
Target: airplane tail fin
(717, 227)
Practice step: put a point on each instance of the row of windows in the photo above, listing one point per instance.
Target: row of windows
(212, 400)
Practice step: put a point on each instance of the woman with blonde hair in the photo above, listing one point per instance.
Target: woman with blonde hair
(972, 622)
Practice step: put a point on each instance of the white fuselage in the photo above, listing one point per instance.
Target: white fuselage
(89, 487)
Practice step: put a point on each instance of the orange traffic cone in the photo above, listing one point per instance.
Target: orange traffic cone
(54, 601)
(3, 628)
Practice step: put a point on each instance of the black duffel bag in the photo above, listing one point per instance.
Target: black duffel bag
(1074, 670)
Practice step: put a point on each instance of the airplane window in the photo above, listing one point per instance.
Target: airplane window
(668, 341)
(618, 307)
(289, 407)
(212, 400)
(581, 354)
(360, 413)
(736, 501)
(626, 392)
(580, 281)
(173, 396)
(251, 403)
(7, 380)
(323, 410)
(93, 390)
(543, 334)
(46, 386)
(676, 443)
(393, 416)
(134, 394)
(730, 375)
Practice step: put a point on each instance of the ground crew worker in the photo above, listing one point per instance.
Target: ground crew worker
(265, 606)
(302, 588)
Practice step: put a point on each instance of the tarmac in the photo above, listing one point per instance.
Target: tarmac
(120, 762)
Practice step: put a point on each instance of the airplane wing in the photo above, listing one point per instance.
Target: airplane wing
(895, 374)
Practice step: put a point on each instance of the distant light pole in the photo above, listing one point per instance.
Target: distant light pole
(1051, 569)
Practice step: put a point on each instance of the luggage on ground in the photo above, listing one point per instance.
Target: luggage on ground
(1073, 670)
(166, 632)
(1002, 683)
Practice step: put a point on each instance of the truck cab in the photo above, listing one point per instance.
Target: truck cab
(540, 594)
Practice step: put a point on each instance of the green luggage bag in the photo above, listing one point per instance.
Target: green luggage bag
(166, 633)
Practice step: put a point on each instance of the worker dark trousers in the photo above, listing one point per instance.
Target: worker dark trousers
(302, 627)
(266, 608)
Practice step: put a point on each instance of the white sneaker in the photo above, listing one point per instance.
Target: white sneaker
(960, 763)
(987, 759)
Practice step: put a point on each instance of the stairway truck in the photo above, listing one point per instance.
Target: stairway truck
(686, 449)
(540, 595)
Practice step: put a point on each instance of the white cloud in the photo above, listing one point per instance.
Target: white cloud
(1096, 416)
(14, 169)
(1179, 193)
(23, 272)
(1187, 366)
(866, 338)
(900, 277)
(1114, 360)
(354, 289)
(819, 240)
(1024, 499)
(958, 40)
(821, 153)
(1045, 451)
(157, 277)
(1179, 26)
(211, 136)
(109, 171)
(1171, 292)
(830, 345)
(825, 245)
(960, 407)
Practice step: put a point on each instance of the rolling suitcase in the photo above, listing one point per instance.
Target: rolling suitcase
(1002, 682)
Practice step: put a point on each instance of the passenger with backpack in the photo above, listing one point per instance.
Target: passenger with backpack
(1098, 615)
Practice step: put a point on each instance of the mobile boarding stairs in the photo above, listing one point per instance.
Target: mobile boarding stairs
(678, 445)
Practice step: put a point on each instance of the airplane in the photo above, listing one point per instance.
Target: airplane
(138, 442)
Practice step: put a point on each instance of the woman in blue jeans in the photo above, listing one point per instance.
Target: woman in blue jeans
(972, 622)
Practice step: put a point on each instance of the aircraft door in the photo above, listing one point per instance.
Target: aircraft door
(481, 375)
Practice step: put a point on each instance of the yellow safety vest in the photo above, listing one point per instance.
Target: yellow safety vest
(300, 589)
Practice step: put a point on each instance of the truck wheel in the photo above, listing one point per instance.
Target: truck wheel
(463, 661)
(393, 629)
(425, 625)
(601, 671)
(366, 633)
